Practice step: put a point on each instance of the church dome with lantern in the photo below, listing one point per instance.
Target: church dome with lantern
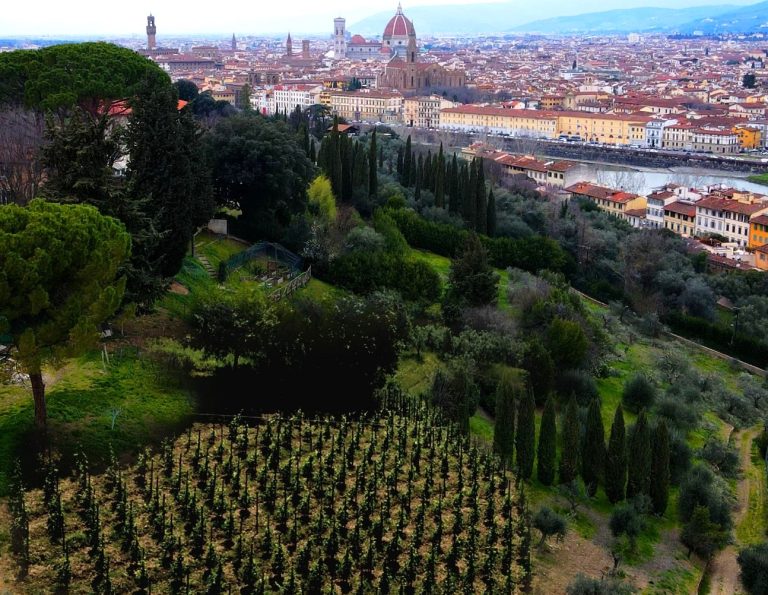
(397, 33)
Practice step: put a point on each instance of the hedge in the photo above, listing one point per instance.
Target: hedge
(363, 272)
(530, 254)
(716, 337)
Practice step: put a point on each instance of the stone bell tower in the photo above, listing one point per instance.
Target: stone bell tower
(151, 31)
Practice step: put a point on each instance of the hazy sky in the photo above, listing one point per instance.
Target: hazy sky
(95, 17)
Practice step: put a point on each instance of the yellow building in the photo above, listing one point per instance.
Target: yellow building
(610, 129)
(680, 218)
(749, 137)
(367, 105)
(497, 120)
(424, 111)
(615, 202)
(761, 257)
(758, 231)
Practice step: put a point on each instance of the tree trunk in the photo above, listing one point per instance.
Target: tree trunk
(38, 393)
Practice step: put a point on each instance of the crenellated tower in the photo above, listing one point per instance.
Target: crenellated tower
(151, 31)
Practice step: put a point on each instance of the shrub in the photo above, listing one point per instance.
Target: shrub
(723, 457)
(626, 521)
(678, 414)
(700, 488)
(549, 523)
(583, 585)
(753, 562)
(638, 393)
(567, 343)
(578, 383)
(364, 239)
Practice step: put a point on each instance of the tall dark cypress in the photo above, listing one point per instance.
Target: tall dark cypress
(373, 173)
(659, 487)
(616, 459)
(334, 160)
(547, 450)
(481, 206)
(490, 220)
(400, 162)
(525, 443)
(504, 426)
(639, 458)
(593, 452)
(453, 185)
(428, 173)
(569, 443)
(405, 179)
(347, 167)
(312, 152)
(167, 167)
(412, 180)
(469, 196)
(440, 179)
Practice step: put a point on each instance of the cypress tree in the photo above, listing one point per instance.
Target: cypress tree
(639, 458)
(468, 198)
(659, 487)
(312, 152)
(593, 453)
(481, 206)
(504, 426)
(526, 434)
(347, 167)
(490, 220)
(440, 179)
(569, 459)
(334, 159)
(427, 182)
(547, 444)
(373, 173)
(453, 185)
(616, 460)
(412, 181)
(417, 191)
(405, 179)
(400, 162)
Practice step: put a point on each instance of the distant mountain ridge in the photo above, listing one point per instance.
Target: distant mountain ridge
(515, 17)
(743, 19)
(640, 20)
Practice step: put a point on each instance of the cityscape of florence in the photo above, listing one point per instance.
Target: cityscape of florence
(454, 297)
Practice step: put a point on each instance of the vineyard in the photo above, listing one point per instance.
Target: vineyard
(392, 502)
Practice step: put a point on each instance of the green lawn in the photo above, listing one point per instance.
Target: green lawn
(759, 179)
(81, 397)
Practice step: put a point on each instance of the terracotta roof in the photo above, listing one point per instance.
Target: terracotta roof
(636, 213)
(591, 190)
(760, 220)
(734, 206)
(763, 248)
(399, 25)
(681, 208)
(622, 197)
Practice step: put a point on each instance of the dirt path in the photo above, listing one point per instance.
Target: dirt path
(724, 569)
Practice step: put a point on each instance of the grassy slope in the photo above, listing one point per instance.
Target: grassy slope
(677, 574)
(80, 400)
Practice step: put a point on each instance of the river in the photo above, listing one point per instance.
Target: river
(645, 180)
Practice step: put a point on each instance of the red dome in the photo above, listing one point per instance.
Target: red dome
(399, 26)
(357, 39)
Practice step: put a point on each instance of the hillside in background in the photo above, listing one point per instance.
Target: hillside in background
(651, 20)
(746, 19)
(508, 17)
